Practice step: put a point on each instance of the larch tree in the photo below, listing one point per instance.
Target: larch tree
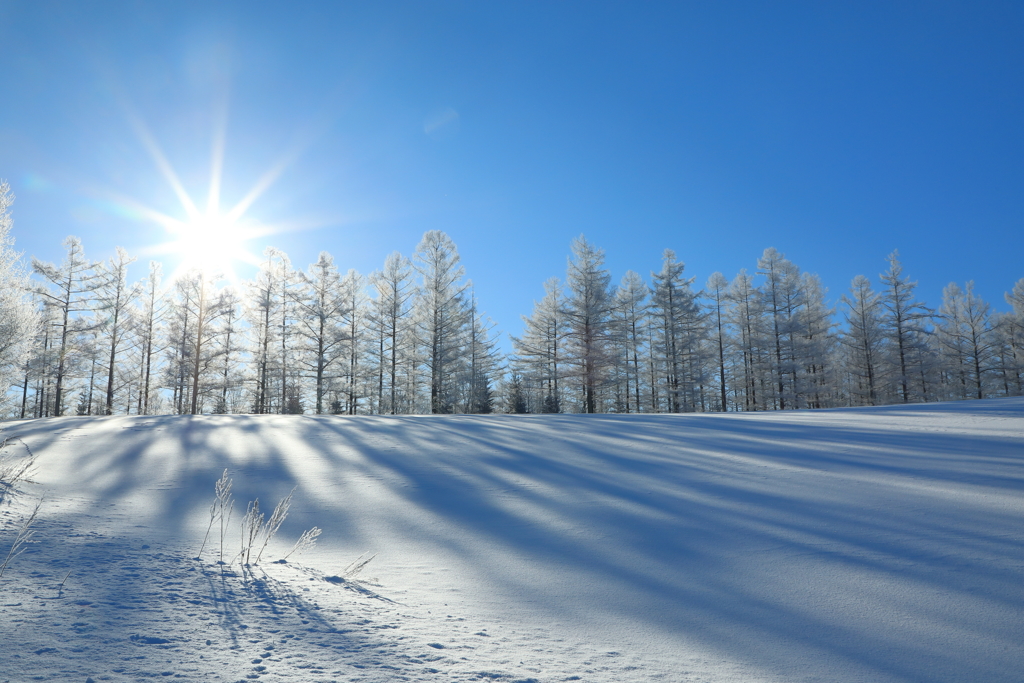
(321, 308)
(149, 316)
(395, 292)
(442, 313)
(18, 317)
(114, 302)
(630, 312)
(1013, 335)
(818, 343)
(717, 292)
(965, 332)
(541, 348)
(356, 339)
(229, 347)
(588, 314)
(677, 314)
(745, 314)
(263, 311)
(73, 291)
(903, 322)
(864, 340)
(780, 294)
(482, 362)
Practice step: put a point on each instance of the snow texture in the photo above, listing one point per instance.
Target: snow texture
(879, 544)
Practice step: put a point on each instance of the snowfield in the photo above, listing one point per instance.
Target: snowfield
(880, 544)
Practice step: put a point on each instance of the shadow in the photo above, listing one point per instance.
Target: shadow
(882, 544)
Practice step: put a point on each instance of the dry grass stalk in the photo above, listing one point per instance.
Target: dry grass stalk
(23, 537)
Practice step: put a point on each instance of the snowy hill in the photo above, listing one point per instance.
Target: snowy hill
(882, 544)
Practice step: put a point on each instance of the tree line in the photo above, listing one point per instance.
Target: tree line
(767, 340)
(80, 338)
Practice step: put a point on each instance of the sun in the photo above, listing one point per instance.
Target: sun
(212, 243)
(208, 240)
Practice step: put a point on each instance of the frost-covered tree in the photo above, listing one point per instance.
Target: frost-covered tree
(781, 294)
(483, 362)
(150, 315)
(321, 306)
(631, 310)
(864, 340)
(717, 292)
(229, 347)
(263, 312)
(193, 371)
(541, 348)
(72, 291)
(677, 317)
(1011, 328)
(442, 314)
(18, 318)
(965, 337)
(588, 316)
(904, 322)
(114, 301)
(395, 335)
(818, 344)
(356, 341)
(745, 314)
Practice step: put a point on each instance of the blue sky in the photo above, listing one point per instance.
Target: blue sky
(833, 132)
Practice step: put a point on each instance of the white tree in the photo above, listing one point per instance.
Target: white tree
(674, 306)
(630, 312)
(115, 298)
(745, 314)
(150, 317)
(965, 334)
(393, 325)
(864, 340)
(321, 308)
(903, 321)
(18, 317)
(442, 315)
(717, 292)
(588, 314)
(818, 343)
(782, 300)
(541, 348)
(482, 362)
(1012, 332)
(356, 339)
(74, 284)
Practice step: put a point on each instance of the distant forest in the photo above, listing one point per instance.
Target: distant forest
(78, 338)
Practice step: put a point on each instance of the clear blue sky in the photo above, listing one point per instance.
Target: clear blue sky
(834, 132)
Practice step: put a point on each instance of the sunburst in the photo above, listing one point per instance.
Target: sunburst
(211, 240)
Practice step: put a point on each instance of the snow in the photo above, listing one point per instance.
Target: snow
(877, 544)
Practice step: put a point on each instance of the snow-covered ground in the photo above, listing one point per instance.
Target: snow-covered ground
(882, 544)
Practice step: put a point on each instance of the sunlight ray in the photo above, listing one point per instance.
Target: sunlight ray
(217, 158)
(169, 223)
(163, 165)
(261, 186)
